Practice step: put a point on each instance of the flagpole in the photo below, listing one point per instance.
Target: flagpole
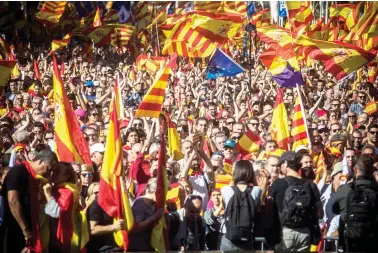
(304, 115)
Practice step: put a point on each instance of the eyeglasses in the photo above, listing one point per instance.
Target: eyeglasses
(335, 104)
(87, 174)
(373, 132)
(230, 122)
(137, 124)
(336, 130)
(351, 116)
(254, 124)
(361, 97)
(94, 114)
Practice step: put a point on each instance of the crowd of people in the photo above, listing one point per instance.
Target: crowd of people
(282, 196)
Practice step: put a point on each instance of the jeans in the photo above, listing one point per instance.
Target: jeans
(227, 245)
(297, 239)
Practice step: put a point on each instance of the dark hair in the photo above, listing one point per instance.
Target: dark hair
(365, 165)
(243, 172)
(46, 156)
(372, 126)
(68, 170)
(129, 131)
(295, 164)
(201, 119)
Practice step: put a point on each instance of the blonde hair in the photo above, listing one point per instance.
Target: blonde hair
(87, 168)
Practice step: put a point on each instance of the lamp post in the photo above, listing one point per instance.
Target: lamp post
(251, 29)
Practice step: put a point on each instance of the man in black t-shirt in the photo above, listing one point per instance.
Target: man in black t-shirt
(102, 229)
(20, 199)
(298, 238)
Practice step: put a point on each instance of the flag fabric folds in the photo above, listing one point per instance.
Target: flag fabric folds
(112, 195)
(279, 126)
(222, 7)
(261, 17)
(221, 64)
(299, 13)
(6, 68)
(340, 59)
(59, 44)
(37, 73)
(97, 19)
(51, 12)
(159, 235)
(70, 144)
(174, 140)
(298, 128)
(371, 107)
(144, 62)
(154, 98)
(249, 143)
(121, 36)
(100, 35)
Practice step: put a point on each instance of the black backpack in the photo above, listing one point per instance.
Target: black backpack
(296, 205)
(240, 216)
(361, 212)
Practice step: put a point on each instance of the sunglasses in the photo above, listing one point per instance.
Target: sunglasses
(373, 132)
(87, 174)
(228, 123)
(138, 124)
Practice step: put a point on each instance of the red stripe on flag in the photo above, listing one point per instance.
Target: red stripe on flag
(150, 106)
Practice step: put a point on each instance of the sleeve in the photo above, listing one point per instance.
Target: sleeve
(52, 208)
(256, 194)
(137, 167)
(137, 209)
(94, 211)
(209, 217)
(13, 180)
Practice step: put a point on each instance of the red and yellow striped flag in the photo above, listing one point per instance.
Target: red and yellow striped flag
(320, 167)
(249, 143)
(51, 12)
(153, 100)
(222, 180)
(70, 144)
(222, 7)
(112, 196)
(185, 41)
(6, 68)
(121, 36)
(159, 235)
(345, 13)
(299, 13)
(279, 128)
(59, 44)
(37, 73)
(261, 17)
(340, 59)
(298, 129)
(146, 63)
(97, 19)
(371, 107)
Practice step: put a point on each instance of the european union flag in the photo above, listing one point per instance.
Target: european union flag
(251, 9)
(221, 64)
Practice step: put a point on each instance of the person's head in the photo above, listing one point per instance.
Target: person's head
(364, 166)
(44, 163)
(87, 174)
(186, 147)
(193, 205)
(357, 139)
(138, 123)
(37, 102)
(273, 167)
(91, 135)
(329, 94)
(201, 125)
(38, 129)
(321, 85)
(350, 154)
(361, 97)
(64, 174)
(253, 124)
(93, 116)
(97, 151)
(307, 165)
(229, 123)
(238, 128)
(338, 141)
(229, 149)
(315, 137)
(335, 128)
(243, 173)
(151, 188)
(216, 197)
(186, 186)
(270, 146)
(132, 136)
(373, 134)
(212, 109)
(219, 142)
(289, 162)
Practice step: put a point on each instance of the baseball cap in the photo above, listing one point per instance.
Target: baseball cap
(229, 143)
(89, 83)
(287, 156)
(97, 147)
(337, 168)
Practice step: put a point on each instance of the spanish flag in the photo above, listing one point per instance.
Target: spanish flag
(153, 100)
(222, 7)
(298, 129)
(70, 144)
(100, 35)
(371, 107)
(261, 17)
(275, 35)
(341, 12)
(279, 126)
(299, 13)
(174, 141)
(6, 68)
(59, 44)
(97, 19)
(37, 73)
(159, 235)
(112, 195)
(249, 143)
(340, 59)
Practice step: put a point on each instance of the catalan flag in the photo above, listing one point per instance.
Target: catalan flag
(222, 7)
(340, 59)
(6, 68)
(298, 128)
(216, 27)
(185, 41)
(279, 125)
(59, 44)
(367, 24)
(371, 107)
(146, 63)
(70, 142)
(112, 196)
(159, 235)
(299, 13)
(222, 180)
(261, 17)
(121, 36)
(153, 100)
(249, 143)
(97, 18)
(320, 167)
(51, 12)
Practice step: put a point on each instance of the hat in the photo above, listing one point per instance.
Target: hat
(338, 138)
(80, 112)
(301, 147)
(286, 156)
(89, 83)
(97, 147)
(229, 143)
(124, 123)
(337, 168)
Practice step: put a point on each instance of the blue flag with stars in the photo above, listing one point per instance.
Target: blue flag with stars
(221, 64)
